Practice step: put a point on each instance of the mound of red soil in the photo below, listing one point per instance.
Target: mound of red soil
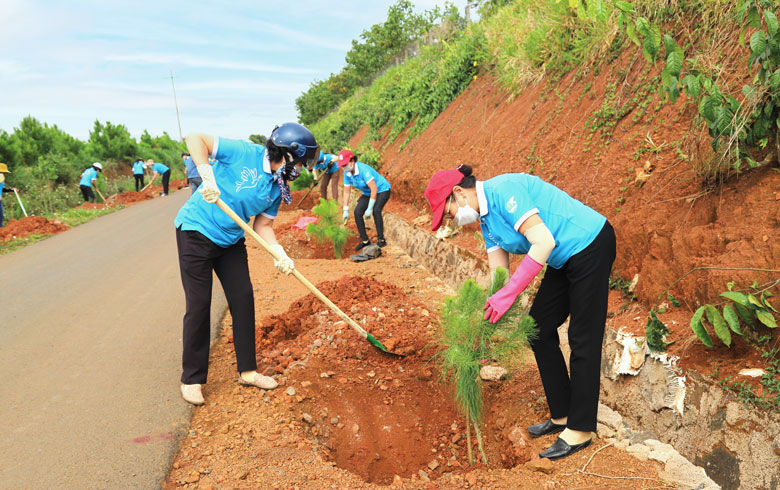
(131, 197)
(29, 226)
(91, 205)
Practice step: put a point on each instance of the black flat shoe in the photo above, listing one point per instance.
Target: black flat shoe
(381, 242)
(561, 449)
(362, 244)
(545, 428)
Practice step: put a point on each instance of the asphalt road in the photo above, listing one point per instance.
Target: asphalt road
(90, 353)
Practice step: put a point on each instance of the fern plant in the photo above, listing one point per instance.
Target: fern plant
(743, 307)
(328, 226)
(655, 330)
(468, 340)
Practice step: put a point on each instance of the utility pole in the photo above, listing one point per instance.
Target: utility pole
(181, 138)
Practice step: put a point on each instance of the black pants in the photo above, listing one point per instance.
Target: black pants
(580, 289)
(333, 180)
(198, 257)
(139, 181)
(86, 192)
(165, 178)
(360, 208)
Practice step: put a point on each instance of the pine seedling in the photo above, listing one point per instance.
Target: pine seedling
(328, 226)
(468, 340)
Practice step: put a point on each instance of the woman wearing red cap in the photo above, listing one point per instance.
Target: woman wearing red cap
(522, 214)
(376, 192)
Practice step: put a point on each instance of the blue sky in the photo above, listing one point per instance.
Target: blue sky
(238, 66)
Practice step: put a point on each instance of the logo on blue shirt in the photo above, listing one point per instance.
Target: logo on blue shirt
(511, 205)
(249, 179)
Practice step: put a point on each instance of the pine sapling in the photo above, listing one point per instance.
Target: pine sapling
(468, 340)
(328, 226)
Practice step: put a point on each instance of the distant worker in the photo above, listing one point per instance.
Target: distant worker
(3, 170)
(252, 180)
(327, 164)
(376, 192)
(88, 179)
(193, 177)
(138, 172)
(162, 169)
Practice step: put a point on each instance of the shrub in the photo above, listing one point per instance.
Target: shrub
(468, 340)
(304, 181)
(328, 226)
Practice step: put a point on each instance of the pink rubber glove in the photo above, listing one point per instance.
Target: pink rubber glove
(499, 303)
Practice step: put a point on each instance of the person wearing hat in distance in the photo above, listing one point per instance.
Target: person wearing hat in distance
(326, 163)
(88, 178)
(252, 180)
(3, 170)
(522, 214)
(162, 169)
(376, 192)
(138, 173)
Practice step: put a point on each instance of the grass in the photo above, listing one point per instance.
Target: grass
(17, 243)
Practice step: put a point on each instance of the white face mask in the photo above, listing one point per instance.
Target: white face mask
(465, 215)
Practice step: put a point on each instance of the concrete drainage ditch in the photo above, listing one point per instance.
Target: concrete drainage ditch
(738, 447)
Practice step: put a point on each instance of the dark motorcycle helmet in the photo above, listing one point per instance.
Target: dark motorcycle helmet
(297, 141)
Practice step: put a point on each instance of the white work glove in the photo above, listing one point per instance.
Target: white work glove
(208, 188)
(370, 208)
(345, 216)
(284, 264)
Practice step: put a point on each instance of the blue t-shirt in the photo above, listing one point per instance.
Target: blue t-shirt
(246, 183)
(160, 168)
(362, 175)
(138, 168)
(88, 176)
(192, 170)
(506, 201)
(2, 186)
(328, 164)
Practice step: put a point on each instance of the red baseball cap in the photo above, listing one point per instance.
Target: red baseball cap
(344, 157)
(438, 190)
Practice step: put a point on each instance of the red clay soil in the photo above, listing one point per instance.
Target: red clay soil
(30, 225)
(349, 416)
(666, 227)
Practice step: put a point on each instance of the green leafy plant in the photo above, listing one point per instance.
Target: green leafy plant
(468, 340)
(769, 399)
(655, 330)
(304, 181)
(328, 226)
(744, 308)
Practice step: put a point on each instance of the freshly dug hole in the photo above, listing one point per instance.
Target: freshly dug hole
(373, 414)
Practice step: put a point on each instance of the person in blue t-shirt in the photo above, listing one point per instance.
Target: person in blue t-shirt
(522, 214)
(88, 178)
(326, 163)
(138, 173)
(193, 177)
(161, 169)
(252, 180)
(3, 170)
(375, 191)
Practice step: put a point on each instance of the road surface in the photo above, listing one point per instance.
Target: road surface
(90, 353)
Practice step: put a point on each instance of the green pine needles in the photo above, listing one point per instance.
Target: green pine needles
(328, 227)
(468, 340)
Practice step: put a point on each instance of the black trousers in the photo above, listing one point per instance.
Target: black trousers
(86, 192)
(165, 178)
(198, 257)
(360, 208)
(139, 181)
(580, 289)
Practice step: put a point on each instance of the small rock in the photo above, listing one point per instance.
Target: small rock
(609, 417)
(193, 477)
(471, 478)
(433, 464)
(241, 475)
(423, 475)
(371, 374)
(492, 373)
(325, 375)
(305, 384)
(308, 418)
(291, 391)
(457, 437)
(604, 431)
(543, 465)
(334, 420)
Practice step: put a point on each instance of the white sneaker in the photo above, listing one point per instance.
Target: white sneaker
(263, 382)
(192, 394)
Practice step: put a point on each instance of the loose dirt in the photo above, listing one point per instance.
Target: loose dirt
(347, 415)
(30, 225)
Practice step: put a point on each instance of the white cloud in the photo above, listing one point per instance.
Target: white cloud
(174, 59)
